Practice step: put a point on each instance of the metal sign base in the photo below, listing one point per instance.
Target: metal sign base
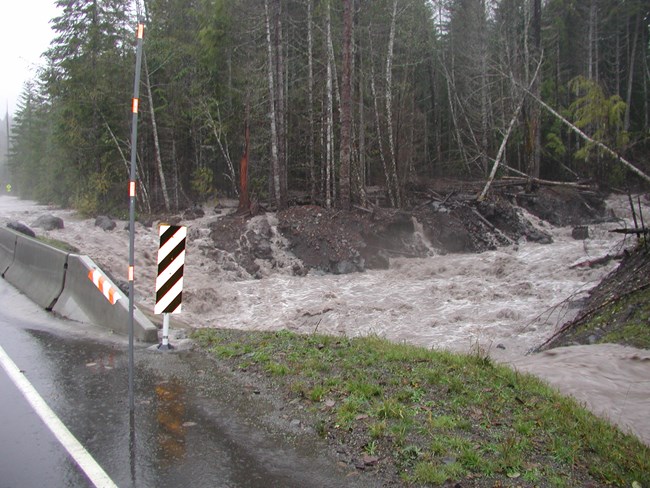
(165, 345)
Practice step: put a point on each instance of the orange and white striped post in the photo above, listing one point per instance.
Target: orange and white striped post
(134, 141)
(104, 285)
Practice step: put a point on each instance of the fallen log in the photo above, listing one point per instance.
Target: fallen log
(592, 263)
(504, 142)
(363, 209)
(492, 226)
(637, 230)
(524, 180)
(575, 129)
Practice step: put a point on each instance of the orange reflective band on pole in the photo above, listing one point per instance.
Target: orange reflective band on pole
(131, 273)
(140, 33)
(131, 188)
(136, 103)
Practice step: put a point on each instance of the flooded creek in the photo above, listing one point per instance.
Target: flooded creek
(505, 301)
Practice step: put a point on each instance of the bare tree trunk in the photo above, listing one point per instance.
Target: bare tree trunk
(275, 164)
(176, 173)
(145, 193)
(360, 167)
(630, 75)
(156, 143)
(535, 112)
(504, 142)
(281, 105)
(382, 156)
(617, 56)
(646, 102)
(484, 94)
(590, 40)
(454, 120)
(433, 153)
(310, 56)
(217, 131)
(346, 106)
(329, 142)
(244, 200)
(389, 107)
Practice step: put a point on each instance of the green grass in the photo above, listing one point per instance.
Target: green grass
(63, 246)
(634, 329)
(438, 416)
(625, 321)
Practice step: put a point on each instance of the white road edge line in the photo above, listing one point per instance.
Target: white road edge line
(78, 452)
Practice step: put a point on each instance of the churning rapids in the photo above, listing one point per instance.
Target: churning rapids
(504, 302)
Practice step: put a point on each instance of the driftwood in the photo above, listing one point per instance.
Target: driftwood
(637, 230)
(523, 180)
(491, 226)
(592, 263)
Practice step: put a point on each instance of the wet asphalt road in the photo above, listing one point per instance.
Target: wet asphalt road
(189, 427)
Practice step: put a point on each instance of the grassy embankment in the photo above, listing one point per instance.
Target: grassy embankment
(624, 321)
(58, 244)
(427, 417)
(618, 310)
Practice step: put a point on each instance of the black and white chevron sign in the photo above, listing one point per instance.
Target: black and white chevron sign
(171, 260)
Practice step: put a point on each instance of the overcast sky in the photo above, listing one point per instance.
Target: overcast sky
(24, 34)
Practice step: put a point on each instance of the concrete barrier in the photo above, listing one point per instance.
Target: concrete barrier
(38, 270)
(58, 281)
(81, 300)
(7, 248)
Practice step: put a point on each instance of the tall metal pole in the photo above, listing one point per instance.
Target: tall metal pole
(134, 140)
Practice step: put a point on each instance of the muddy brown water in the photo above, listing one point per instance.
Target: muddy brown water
(505, 302)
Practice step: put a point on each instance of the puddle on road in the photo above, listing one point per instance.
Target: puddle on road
(190, 428)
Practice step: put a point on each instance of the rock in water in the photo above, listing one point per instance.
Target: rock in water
(22, 228)
(105, 223)
(580, 232)
(49, 222)
(193, 213)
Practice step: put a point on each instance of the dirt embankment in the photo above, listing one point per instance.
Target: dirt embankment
(449, 221)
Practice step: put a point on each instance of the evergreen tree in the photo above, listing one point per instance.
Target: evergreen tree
(31, 151)
(89, 89)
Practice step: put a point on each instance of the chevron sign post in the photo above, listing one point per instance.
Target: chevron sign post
(169, 282)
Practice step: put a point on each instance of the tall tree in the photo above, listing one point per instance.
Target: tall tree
(30, 175)
(273, 116)
(87, 75)
(534, 134)
(310, 99)
(346, 105)
(329, 114)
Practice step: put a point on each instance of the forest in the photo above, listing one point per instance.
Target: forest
(338, 103)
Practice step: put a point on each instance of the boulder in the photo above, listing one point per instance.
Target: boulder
(49, 222)
(20, 227)
(193, 213)
(105, 223)
(580, 232)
